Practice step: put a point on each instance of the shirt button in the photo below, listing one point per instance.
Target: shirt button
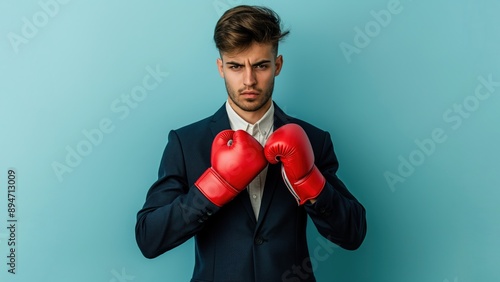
(254, 196)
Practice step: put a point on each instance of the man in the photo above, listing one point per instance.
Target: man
(244, 180)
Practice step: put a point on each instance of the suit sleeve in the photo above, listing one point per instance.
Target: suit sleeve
(337, 214)
(173, 211)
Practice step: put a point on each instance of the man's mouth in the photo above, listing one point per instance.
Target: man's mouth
(250, 94)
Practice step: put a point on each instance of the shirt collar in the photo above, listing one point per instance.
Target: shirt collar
(263, 125)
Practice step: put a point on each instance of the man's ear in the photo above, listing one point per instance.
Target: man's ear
(278, 64)
(219, 67)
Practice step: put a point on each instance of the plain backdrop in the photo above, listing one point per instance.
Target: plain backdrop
(409, 90)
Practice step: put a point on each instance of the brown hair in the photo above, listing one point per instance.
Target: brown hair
(243, 25)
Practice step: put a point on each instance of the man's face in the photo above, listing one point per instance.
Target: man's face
(249, 78)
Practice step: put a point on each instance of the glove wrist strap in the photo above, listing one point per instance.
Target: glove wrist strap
(215, 188)
(309, 187)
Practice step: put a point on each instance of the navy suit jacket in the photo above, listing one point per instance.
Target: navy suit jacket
(230, 244)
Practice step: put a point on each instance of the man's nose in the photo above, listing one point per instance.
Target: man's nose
(249, 78)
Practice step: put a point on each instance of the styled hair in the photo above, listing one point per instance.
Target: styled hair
(243, 25)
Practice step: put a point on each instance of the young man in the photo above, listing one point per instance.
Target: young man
(244, 180)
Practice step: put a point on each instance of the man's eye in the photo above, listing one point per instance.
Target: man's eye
(235, 67)
(261, 67)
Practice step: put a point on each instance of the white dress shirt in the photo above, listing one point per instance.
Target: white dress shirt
(260, 131)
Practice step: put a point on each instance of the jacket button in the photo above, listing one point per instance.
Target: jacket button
(259, 240)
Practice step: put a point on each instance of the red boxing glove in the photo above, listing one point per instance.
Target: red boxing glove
(290, 145)
(237, 158)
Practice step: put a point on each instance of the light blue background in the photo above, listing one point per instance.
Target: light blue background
(440, 224)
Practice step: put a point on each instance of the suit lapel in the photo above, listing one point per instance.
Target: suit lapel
(280, 118)
(220, 122)
(274, 171)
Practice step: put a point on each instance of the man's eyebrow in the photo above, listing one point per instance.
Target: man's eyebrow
(233, 63)
(254, 64)
(261, 62)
